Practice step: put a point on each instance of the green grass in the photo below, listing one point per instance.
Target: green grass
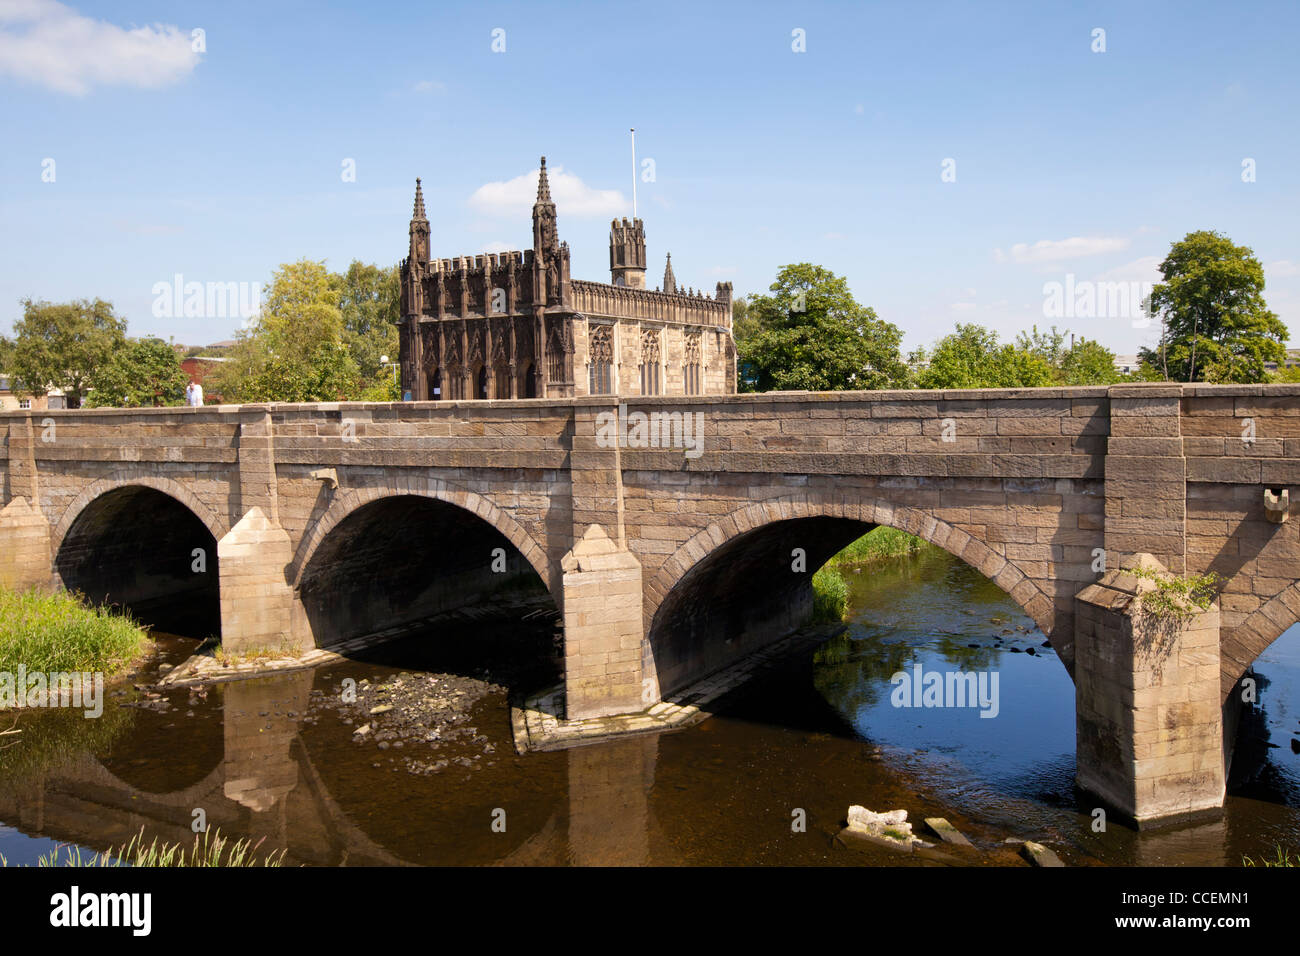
(1283, 857)
(831, 590)
(54, 631)
(830, 595)
(880, 544)
(208, 849)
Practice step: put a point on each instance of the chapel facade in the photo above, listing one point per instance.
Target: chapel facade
(516, 325)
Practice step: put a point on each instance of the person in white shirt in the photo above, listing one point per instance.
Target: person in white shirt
(194, 394)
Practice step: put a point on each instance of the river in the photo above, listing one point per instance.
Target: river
(767, 780)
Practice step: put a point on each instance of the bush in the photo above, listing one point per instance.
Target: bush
(54, 631)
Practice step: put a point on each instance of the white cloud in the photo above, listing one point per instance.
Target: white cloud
(1145, 269)
(572, 196)
(1282, 269)
(962, 306)
(44, 42)
(496, 245)
(1057, 250)
(430, 86)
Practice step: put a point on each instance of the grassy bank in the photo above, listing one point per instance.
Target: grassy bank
(208, 849)
(831, 590)
(880, 544)
(54, 631)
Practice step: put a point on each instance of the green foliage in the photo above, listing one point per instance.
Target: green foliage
(830, 594)
(295, 351)
(1177, 599)
(47, 740)
(320, 336)
(53, 631)
(972, 357)
(879, 544)
(1088, 363)
(1216, 326)
(63, 345)
(810, 333)
(141, 372)
(370, 302)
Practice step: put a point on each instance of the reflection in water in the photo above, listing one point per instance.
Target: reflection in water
(264, 759)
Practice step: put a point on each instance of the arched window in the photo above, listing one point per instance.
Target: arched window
(529, 383)
(481, 383)
(600, 378)
(691, 367)
(435, 385)
(650, 362)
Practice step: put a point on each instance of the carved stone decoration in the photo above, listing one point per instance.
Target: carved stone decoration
(601, 338)
(693, 350)
(553, 279)
(650, 347)
(496, 332)
(429, 334)
(453, 344)
(439, 293)
(476, 356)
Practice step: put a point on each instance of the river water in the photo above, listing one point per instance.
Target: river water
(768, 780)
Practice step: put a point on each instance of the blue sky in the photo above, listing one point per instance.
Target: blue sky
(220, 165)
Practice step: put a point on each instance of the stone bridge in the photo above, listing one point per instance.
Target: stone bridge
(676, 535)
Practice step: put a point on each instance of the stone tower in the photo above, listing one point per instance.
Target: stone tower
(627, 253)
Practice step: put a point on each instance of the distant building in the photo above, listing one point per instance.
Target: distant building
(1127, 364)
(515, 325)
(13, 397)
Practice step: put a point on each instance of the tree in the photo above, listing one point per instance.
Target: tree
(295, 350)
(63, 345)
(141, 372)
(971, 357)
(1049, 345)
(1088, 363)
(1215, 324)
(1085, 362)
(810, 333)
(370, 302)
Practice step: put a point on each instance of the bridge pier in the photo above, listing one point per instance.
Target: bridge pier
(602, 629)
(258, 608)
(25, 556)
(1148, 718)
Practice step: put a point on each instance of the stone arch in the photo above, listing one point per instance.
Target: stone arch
(813, 504)
(1241, 646)
(172, 489)
(354, 499)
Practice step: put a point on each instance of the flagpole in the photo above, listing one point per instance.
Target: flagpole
(633, 131)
